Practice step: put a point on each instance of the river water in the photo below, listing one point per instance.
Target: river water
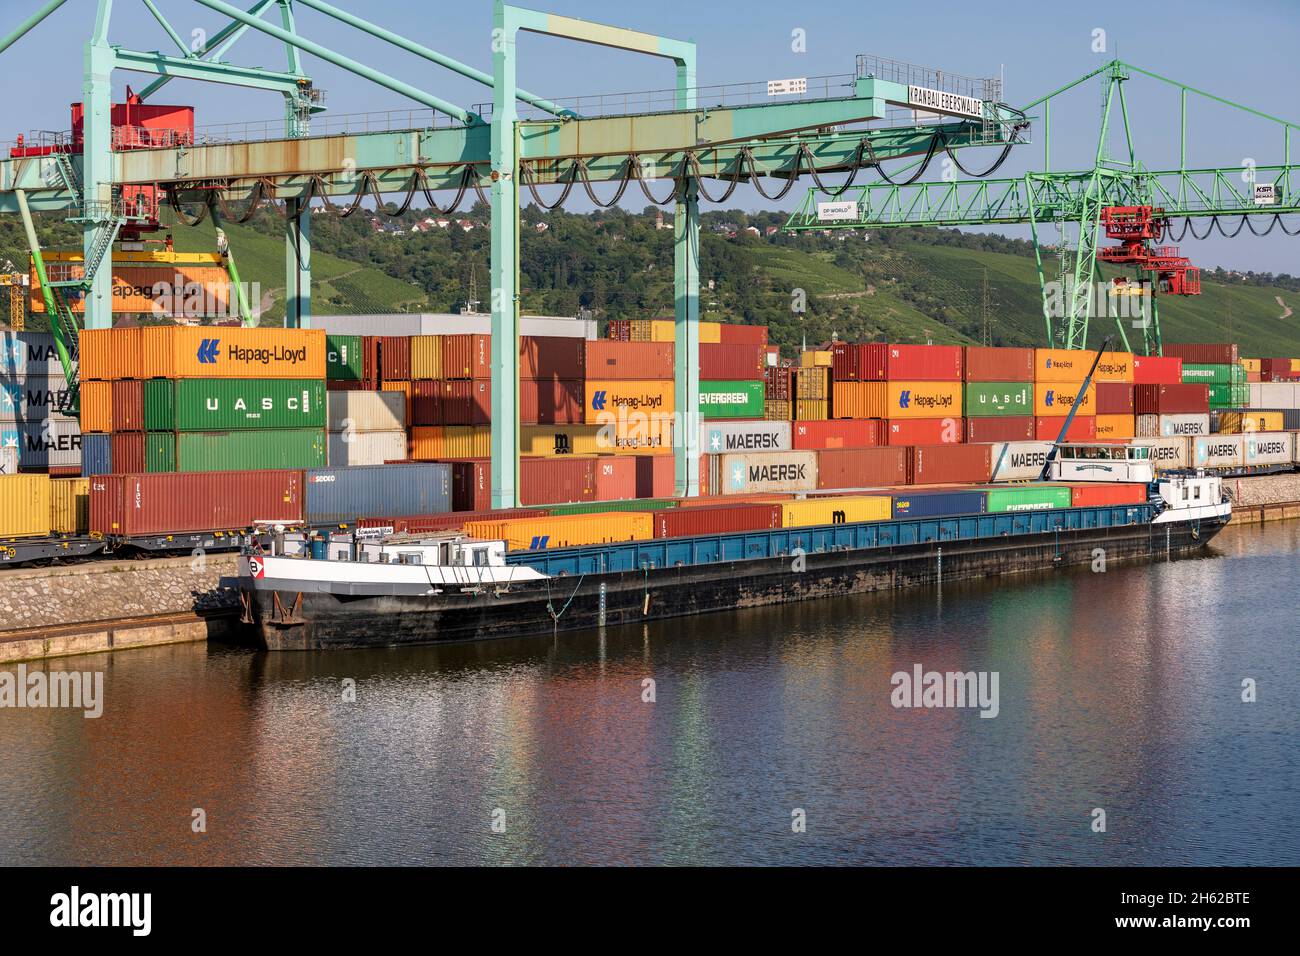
(770, 739)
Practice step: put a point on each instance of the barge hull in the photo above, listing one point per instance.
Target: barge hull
(330, 621)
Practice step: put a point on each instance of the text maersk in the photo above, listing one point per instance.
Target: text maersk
(754, 441)
(759, 473)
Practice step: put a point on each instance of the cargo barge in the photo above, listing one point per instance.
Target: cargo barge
(411, 589)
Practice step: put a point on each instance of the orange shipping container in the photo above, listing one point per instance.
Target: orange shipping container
(467, 356)
(1057, 398)
(1062, 365)
(613, 397)
(227, 352)
(203, 291)
(108, 354)
(1114, 426)
(858, 400)
(96, 406)
(924, 400)
(1113, 367)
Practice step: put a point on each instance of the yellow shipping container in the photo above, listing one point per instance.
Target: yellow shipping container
(858, 400)
(1251, 365)
(70, 505)
(811, 359)
(820, 511)
(229, 352)
(665, 330)
(1063, 365)
(1234, 423)
(810, 409)
(1057, 398)
(426, 356)
(812, 383)
(426, 442)
(1295, 366)
(107, 354)
(564, 531)
(96, 406)
(1115, 426)
(1113, 367)
(621, 399)
(778, 410)
(467, 441)
(24, 506)
(923, 400)
(654, 436)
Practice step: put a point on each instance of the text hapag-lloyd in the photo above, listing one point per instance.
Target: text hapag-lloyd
(265, 356)
(927, 401)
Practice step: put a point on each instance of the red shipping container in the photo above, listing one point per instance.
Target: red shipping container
(627, 361)
(776, 383)
(862, 467)
(426, 402)
(924, 431)
(1157, 370)
(127, 449)
(1114, 398)
(193, 501)
(656, 476)
(1223, 353)
(471, 484)
(715, 519)
(128, 407)
(615, 477)
(1083, 428)
(548, 402)
(729, 363)
(873, 362)
(619, 330)
(467, 402)
(1103, 493)
(947, 464)
(452, 521)
(983, 364)
(1271, 370)
(924, 363)
(552, 357)
(987, 428)
(395, 358)
(844, 362)
(467, 356)
(1182, 399)
(341, 385)
(732, 334)
(552, 481)
(838, 433)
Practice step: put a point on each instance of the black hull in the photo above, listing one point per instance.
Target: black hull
(344, 621)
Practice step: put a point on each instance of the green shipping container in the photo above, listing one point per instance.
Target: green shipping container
(998, 399)
(343, 357)
(731, 399)
(593, 507)
(1201, 374)
(1229, 396)
(1033, 498)
(222, 404)
(159, 451)
(250, 450)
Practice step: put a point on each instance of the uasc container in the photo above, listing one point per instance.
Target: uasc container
(196, 404)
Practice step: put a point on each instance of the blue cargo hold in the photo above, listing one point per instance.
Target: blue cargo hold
(342, 495)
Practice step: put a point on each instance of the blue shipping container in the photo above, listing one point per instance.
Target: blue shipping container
(96, 455)
(938, 504)
(342, 495)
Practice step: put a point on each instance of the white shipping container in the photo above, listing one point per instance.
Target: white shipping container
(720, 438)
(1171, 426)
(53, 443)
(1167, 454)
(28, 353)
(366, 411)
(1274, 395)
(365, 448)
(32, 398)
(1218, 451)
(8, 459)
(443, 323)
(1019, 460)
(1269, 448)
(775, 471)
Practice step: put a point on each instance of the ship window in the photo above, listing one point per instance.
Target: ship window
(480, 557)
(444, 553)
(411, 557)
(1197, 493)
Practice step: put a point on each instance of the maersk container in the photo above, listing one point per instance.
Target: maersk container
(250, 449)
(1171, 426)
(159, 451)
(24, 354)
(367, 411)
(1218, 451)
(343, 357)
(128, 505)
(1268, 448)
(768, 471)
(1032, 498)
(991, 399)
(1167, 454)
(721, 437)
(24, 506)
(1018, 460)
(939, 503)
(342, 495)
(96, 454)
(31, 398)
(365, 448)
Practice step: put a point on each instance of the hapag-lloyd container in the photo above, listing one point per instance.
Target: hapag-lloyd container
(1082, 428)
(1169, 426)
(1167, 454)
(1114, 367)
(938, 503)
(552, 357)
(1115, 427)
(180, 351)
(341, 495)
(727, 399)
(987, 399)
(126, 505)
(716, 519)
(1018, 460)
(1019, 428)
(751, 472)
(1157, 370)
(925, 431)
(924, 363)
(1177, 399)
(24, 354)
(947, 464)
(1205, 354)
(564, 531)
(862, 467)
(1218, 451)
(365, 448)
(1031, 498)
(923, 399)
(366, 411)
(735, 362)
(983, 364)
(207, 404)
(838, 433)
(1114, 398)
(628, 360)
(249, 448)
(1268, 448)
(1062, 365)
(649, 396)
(1058, 398)
(719, 438)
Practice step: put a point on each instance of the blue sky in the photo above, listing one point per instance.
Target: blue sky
(1243, 53)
